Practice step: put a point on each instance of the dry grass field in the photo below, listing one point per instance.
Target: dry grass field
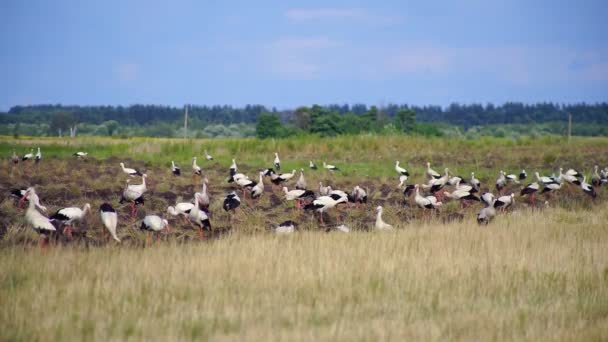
(537, 274)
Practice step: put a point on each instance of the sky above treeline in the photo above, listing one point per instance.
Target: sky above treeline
(291, 53)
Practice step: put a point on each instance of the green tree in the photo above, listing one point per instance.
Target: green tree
(371, 118)
(405, 120)
(302, 118)
(111, 126)
(268, 126)
(61, 122)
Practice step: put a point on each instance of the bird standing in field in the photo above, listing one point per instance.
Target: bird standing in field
(80, 154)
(40, 223)
(430, 172)
(501, 181)
(323, 203)
(109, 218)
(475, 183)
(134, 195)
(523, 175)
(380, 224)
(129, 171)
(233, 168)
(199, 217)
(208, 156)
(401, 170)
(231, 202)
(175, 169)
(196, 170)
(301, 183)
(203, 196)
(67, 216)
(15, 158)
(504, 202)
(486, 214)
(312, 165)
(330, 167)
(587, 188)
(180, 209)
(359, 195)
(530, 190)
(258, 189)
(297, 195)
(286, 227)
(38, 156)
(277, 161)
(596, 178)
(155, 224)
(28, 156)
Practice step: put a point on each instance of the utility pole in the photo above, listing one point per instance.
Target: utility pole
(569, 126)
(186, 123)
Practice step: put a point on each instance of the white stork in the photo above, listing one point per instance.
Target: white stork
(39, 222)
(80, 154)
(486, 214)
(475, 183)
(155, 224)
(323, 203)
(324, 190)
(428, 202)
(587, 188)
(129, 171)
(430, 172)
(175, 169)
(15, 158)
(277, 161)
(297, 195)
(208, 156)
(301, 183)
(258, 189)
(196, 170)
(380, 224)
(504, 202)
(180, 209)
(109, 219)
(286, 227)
(67, 216)
(199, 217)
(312, 165)
(38, 156)
(530, 190)
(203, 196)
(28, 156)
(401, 170)
(330, 167)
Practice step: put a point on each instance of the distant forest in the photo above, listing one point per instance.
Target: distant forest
(211, 121)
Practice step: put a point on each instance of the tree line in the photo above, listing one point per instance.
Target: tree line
(326, 120)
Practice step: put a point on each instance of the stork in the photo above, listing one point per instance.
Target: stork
(297, 195)
(156, 224)
(69, 215)
(301, 183)
(175, 169)
(38, 156)
(380, 224)
(196, 170)
(401, 170)
(39, 222)
(129, 171)
(323, 203)
(109, 218)
(277, 161)
(208, 156)
(199, 217)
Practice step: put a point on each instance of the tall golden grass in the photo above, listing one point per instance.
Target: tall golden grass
(531, 275)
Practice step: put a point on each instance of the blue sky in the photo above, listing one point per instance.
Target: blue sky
(289, 53)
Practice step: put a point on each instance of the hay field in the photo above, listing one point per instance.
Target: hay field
(530, 275)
